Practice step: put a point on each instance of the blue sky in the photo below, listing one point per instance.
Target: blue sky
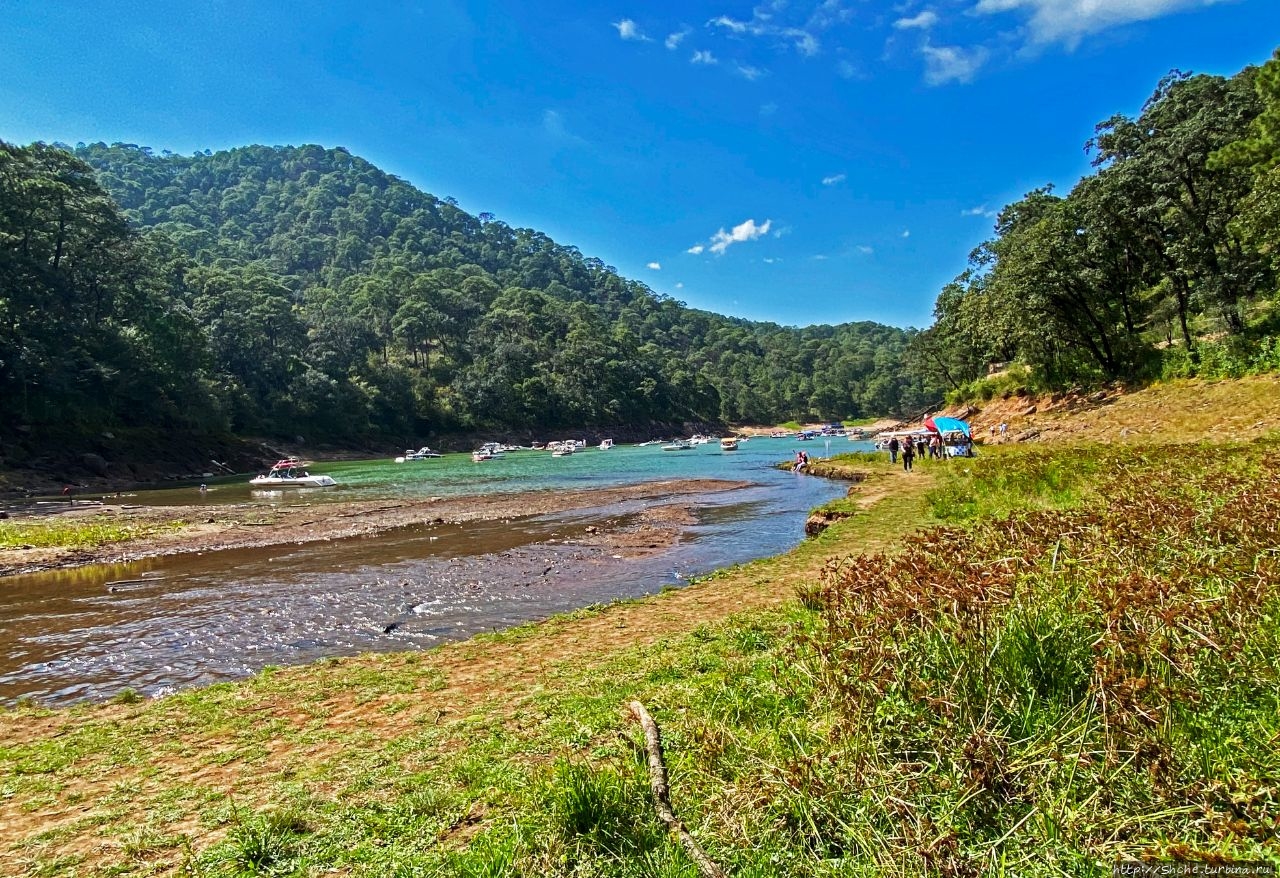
(802, 162)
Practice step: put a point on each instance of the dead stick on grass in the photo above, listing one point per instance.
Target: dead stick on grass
(662, 794)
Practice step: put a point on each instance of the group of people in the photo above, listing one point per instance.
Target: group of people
(802, 462)
(911, 447)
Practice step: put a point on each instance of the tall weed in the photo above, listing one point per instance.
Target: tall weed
(1061, 663)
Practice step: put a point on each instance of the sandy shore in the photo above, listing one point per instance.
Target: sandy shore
(207, 529)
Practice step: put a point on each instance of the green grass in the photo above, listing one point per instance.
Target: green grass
(77, 534)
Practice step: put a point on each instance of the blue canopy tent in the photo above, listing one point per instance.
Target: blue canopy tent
(947, 425)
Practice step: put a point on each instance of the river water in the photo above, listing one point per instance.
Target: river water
(168, 623)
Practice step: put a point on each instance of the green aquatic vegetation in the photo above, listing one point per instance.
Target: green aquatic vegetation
(78, 534)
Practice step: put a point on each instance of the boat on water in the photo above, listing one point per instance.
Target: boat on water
(606, 444)
(422, 453)
(680, 445)
(489, 451)
(563, 448)
(728, 443)
(289, 473)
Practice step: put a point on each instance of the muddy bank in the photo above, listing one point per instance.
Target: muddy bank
(250, 525)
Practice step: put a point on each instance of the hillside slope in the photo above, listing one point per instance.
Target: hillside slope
(1185, 410)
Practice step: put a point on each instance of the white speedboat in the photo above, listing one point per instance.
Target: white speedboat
(679, 445)
(421, 454)
(606, 444)
(728, 443)
(290, 473)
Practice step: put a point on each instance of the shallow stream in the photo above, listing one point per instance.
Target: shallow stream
(167, 623)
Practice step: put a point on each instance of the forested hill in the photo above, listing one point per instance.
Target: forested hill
(300, 290)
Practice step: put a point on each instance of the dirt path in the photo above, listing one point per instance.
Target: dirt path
(448, 683)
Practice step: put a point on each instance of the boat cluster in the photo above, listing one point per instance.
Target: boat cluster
(292, 473)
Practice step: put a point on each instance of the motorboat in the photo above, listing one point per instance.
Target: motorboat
(563, 448)
(289, 473)
(679, 445)
(728, 443)
(606, 444)
(422, 453)
(489, 451)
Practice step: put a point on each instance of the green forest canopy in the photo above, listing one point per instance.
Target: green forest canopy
(1162, 262)
(286, 290)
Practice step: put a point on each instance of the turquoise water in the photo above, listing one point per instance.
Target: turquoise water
(458, 474)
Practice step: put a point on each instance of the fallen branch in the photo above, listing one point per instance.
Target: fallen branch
(662, 794)
(369, 511)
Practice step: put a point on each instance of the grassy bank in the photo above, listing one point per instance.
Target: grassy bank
(1077, 663)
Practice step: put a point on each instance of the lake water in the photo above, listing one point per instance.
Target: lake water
(196, 619)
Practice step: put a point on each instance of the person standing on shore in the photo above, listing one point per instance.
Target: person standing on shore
(908, 456)
(893, 450)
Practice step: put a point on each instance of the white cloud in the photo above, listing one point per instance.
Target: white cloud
(746, 71)
(834, 179)
(865, 250)
(943, 64)
(772, 261)
(679, 286)
(702, 57)
(802, 39)
(744, 231)
(674, 40)
(980, 210)
(923, 21)
(696, 249)
(828, 14)
(806, 43)
(1068, 21)
(629, 30)
(554, 128)
(846, 70)
(654, 266)
(906, 233)
(724, 21)
(820, 257)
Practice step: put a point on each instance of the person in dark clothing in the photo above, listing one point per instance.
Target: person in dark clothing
(893, 449)
(908, 455)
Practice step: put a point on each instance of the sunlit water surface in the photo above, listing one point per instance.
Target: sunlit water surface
(167, 623)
